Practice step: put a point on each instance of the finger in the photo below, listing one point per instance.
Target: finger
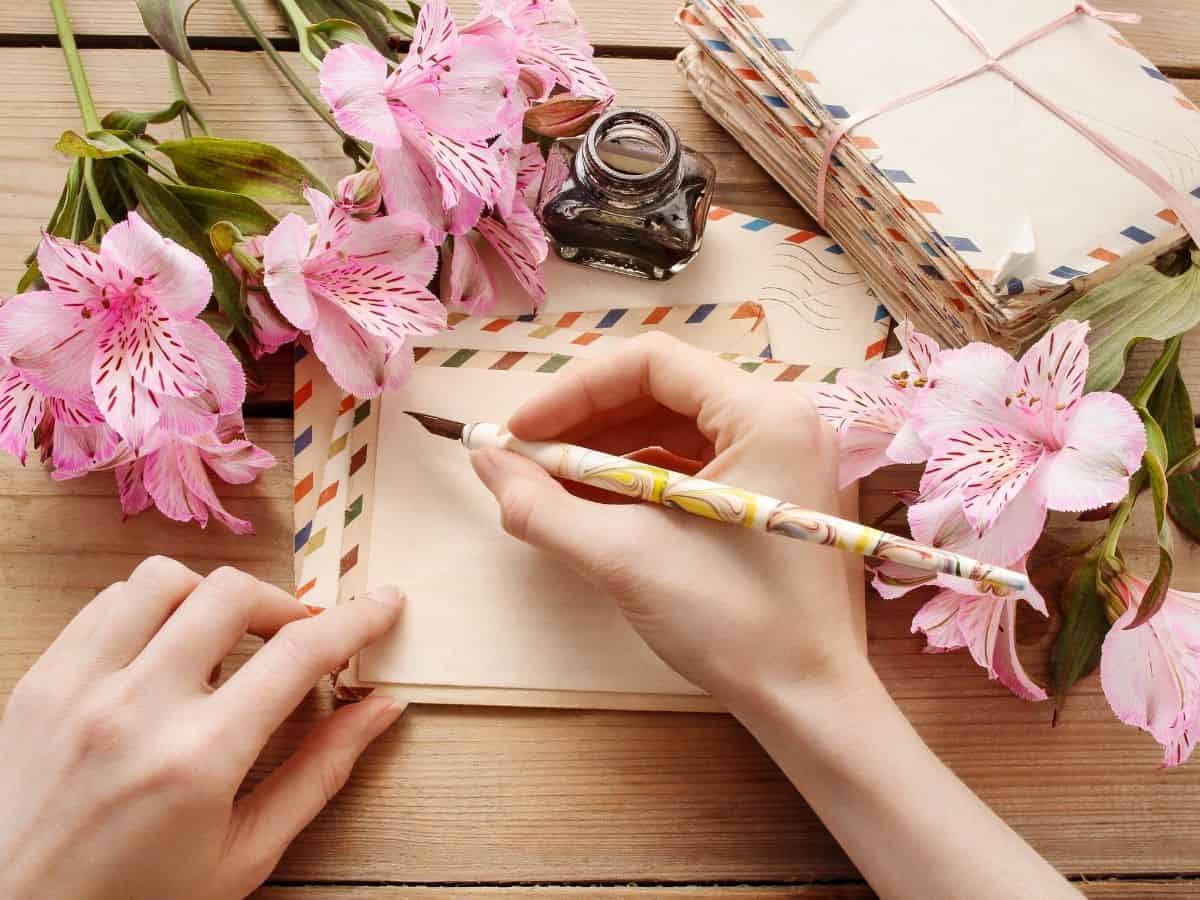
(535, 508)
(274, 680)
(671, 431)
(113, 628)
(223, 608)
(268, 820)
(690, 382)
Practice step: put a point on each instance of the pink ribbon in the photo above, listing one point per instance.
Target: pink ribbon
(1172, 196)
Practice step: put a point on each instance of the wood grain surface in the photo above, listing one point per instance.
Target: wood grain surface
(643, 805)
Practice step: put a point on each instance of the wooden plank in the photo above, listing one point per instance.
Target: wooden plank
(1126, 890)
(1169, 34)
(472, 794)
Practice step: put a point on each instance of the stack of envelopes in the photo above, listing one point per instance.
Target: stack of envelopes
(976, 209)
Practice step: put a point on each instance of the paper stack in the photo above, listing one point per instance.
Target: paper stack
(980, 200)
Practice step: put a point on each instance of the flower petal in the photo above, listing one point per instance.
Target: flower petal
(224, 377)
(1152, 680)
(359, 362)
(152, 348)
(920, 349)
(986, 466)
(466, 282)
(862, 451)
(127, 404)
(386, 302)
(938, 621)
(941, 522)
(473, 168)
(238, 461)
(988, 625)
(284, 252)
(50, 342)
(164, 483)
(863, 401)
(201, 496)
(354, 82)
(1048, 381)
(410, 183)
(576, 69)
(473, 97)
(131, 488)
(435, 36)
(72, 270)
(521, 243)
(966, 388)
(1103, 443)
(21, 409)
(271, 330)
(171, 276)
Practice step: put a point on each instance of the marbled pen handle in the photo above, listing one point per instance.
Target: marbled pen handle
(733, 506)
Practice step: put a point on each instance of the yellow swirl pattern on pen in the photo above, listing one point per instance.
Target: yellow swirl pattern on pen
(725, 504)
(629, 478)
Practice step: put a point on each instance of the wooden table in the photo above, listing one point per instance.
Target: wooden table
(485, 803)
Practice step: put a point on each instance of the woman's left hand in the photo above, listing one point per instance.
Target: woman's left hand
(121, 762)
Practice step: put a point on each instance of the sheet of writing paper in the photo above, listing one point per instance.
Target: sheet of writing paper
(483, 609)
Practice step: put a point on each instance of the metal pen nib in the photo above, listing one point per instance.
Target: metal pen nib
(446, 428)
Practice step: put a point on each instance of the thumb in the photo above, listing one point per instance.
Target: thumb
(536, 509)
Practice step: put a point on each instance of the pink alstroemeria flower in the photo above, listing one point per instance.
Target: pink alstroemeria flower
(358, 288)
(120, 326)
(870, 408)
(1151, 674)
(269, 330)
(22, 407)
(175, 475)
(1010, 439)
(515, 235)
(553, 48)
(974, 615)
(437, 109)
(76, 440)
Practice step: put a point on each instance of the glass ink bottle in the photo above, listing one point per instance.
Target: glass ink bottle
(627, 197)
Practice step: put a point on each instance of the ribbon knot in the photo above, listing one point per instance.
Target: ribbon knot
(1173, 197)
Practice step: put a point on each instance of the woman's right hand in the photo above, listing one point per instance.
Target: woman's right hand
(728, 608)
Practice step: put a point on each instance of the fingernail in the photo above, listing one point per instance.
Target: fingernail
(390, 710)
(388, 595)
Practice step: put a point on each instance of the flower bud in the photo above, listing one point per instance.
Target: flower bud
(562, 117)
(360, 194)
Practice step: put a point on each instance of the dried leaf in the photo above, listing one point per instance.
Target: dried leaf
(1140, 303)
(166, 23)
(98, 145)
(258, 170)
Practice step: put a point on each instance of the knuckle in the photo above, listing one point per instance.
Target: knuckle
(230, 582)
(102, 725)
(298, 641)
(32, 695)
(156, 568)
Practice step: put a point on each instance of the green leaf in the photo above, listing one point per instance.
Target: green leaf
(366, 14)
(209, 206)
(1183, 489)
(1154, 461)
(258, 170)
(1140, 303)
(137, 122)
(170, 217)
(1085, 624)
(99, 145)
(340, 31)
(166, 23)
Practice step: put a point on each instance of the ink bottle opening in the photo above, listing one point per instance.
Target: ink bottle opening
(627, 197)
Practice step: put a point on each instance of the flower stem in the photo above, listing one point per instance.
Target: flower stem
(300, 24)
(353, 148)
(190, 113)
(83, 93)
(98, 208)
